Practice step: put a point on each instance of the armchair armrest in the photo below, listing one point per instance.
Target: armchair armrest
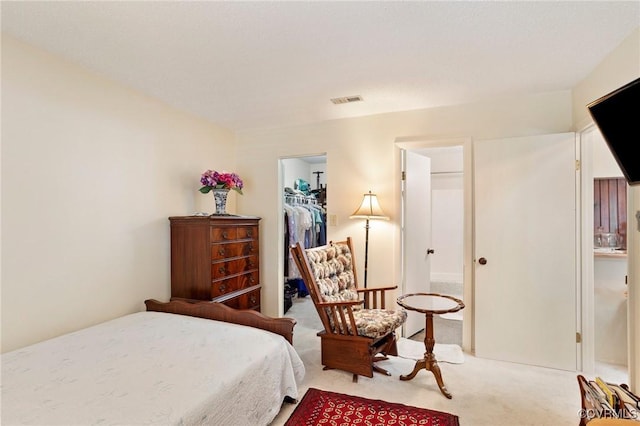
(338, 304)
(374, 296)
(339, 316)
(364, 290)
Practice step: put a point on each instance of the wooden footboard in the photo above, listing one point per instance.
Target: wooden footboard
(220, 312)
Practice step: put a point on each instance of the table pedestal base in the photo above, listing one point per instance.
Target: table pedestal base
(430, 365)
(429, 361)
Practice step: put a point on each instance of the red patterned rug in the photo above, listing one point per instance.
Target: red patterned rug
(329, 408)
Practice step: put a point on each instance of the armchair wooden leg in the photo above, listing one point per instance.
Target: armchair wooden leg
(381, 370)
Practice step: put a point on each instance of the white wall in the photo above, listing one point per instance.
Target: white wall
(447, 208)
(604, 164)
(295, 168)
(610, 310)
(619, 68)
(362, 156)
(90, 173)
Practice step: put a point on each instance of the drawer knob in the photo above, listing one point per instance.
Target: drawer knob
(221, 252)
(249, 233)
(252, 280)
(222, 288)
(225, 235)
(222, 270)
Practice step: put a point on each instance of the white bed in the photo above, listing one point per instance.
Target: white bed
(151, 368)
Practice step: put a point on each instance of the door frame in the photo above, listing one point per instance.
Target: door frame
(418, 142)
(586, 305)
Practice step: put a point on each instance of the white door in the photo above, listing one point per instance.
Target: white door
(416, 242)
(525, 230)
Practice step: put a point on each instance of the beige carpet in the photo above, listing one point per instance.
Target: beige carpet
(485, 392)
(414, 350)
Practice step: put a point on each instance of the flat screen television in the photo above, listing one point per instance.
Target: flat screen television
(617, 115)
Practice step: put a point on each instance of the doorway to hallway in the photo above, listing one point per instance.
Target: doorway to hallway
(438, 170)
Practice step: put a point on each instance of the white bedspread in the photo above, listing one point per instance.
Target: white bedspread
(151, 368)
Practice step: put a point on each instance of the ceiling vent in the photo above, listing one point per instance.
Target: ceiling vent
(347, 100)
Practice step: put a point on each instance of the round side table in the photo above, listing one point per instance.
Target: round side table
(429, 304)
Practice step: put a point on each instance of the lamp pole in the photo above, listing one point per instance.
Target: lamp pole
(366, 250)
(369, 209)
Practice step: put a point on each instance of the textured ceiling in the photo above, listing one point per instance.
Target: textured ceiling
(248, 65)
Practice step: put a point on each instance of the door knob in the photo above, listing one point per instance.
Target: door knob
(430, 251)
(482, 261)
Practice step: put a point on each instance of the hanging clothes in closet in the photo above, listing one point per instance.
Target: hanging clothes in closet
(305, 223)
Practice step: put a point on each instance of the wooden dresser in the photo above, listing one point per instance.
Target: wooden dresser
(216, 258)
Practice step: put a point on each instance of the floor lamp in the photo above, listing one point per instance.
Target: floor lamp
(369, 209)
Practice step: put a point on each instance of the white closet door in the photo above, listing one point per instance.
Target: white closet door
(525, 228)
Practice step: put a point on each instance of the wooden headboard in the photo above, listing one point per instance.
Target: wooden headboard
(221, 312)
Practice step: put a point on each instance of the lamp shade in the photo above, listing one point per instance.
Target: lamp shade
(369, 209)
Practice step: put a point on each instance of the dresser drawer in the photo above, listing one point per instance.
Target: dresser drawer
(250, 300)
(224, 233)
(226, 250)
(232, 267)
(222, 287)
(247, 232)
(232, 233)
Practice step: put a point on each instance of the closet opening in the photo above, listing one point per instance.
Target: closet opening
(304, 217)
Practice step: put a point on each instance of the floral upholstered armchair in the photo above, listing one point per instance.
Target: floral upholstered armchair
(358, 330)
